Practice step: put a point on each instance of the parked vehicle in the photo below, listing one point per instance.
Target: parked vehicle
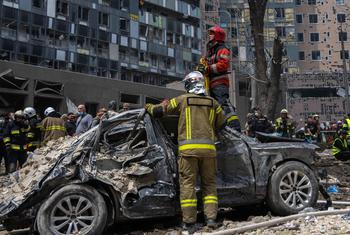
(125, 168)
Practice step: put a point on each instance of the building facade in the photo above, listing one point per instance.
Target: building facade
(320, 25)
(146, 41)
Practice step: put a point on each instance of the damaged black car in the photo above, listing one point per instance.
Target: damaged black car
(125, 168)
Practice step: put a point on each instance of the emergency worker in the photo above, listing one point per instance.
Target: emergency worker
(284, 125)
(53, 126)
(258, 122)
(34, 134)
(312, 129)
(340, 148)
(346, 125)
(216, 68)
(2, 144)
(15, 142)
(200, 116)
(112, 108)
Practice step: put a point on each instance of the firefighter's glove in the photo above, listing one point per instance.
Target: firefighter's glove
(203, 69)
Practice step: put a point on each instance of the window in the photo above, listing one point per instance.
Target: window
(346, 53)
(124, 5)
(281, 31)
(297, 2)
(311, 2)
(103, 18)
(38, 3)
(313, 18)
(280, 14)
(124, 24)
(341, 18)
(300, 37)
(299, 18)
(62, 7)
(301, 55)
(314, 37)
(83, 13)
(340, 2)
(316, 55)
(343, 36)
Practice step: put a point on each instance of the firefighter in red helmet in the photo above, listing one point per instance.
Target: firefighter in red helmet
(216, 67)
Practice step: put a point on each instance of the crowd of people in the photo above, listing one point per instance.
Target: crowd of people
(24, 131)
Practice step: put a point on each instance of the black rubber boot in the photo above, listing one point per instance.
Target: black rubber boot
(211, 223)
(191, 228)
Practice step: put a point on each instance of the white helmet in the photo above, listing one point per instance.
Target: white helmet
(19, 113)
(29, 112)
(194, 83)
(48, 111)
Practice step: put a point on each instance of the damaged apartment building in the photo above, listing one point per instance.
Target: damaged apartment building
(152, 42)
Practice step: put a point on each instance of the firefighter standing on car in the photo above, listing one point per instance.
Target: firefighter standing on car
(34, 134)
(216, 66)
(16, 141)
(200, 116)
(53, 127)
(284, 125)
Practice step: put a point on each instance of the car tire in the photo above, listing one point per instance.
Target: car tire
(73, 209)
(292, 187)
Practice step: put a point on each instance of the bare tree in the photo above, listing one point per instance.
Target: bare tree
(267, 90)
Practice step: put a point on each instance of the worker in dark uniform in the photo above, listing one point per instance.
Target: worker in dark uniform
(216, 67)
(34, 134)
(284, 125)
(15, 142)
(200, 116)
(258, 122)
(2, 144)
(340, 148)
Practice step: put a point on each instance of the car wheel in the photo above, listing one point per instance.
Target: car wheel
(292, 187)
(73, 209)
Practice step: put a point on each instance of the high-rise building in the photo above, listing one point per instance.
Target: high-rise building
(146, 41)
(319, 28)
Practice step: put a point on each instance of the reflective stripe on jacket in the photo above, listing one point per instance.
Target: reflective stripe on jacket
(199, 118)
(339, 145)
(53, 128)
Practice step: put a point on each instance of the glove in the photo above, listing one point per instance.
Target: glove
(202, 68)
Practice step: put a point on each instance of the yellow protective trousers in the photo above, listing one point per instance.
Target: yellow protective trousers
(189, 168)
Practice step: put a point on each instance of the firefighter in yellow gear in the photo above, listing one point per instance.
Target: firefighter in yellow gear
(53, 126)
(200, 116)
(340, 148)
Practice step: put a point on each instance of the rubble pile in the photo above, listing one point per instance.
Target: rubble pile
(17, 186)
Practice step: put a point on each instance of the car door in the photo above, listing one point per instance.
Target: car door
(235, 178)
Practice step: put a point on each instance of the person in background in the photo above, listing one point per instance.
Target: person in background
(126, 107)
(34, 134)
(84, 120)
(16, 142)
(284, 125)
(53, 126)
(70, 124)
(101, 112)
(340, 148)
(112, 108)
(257, 122)
(3, 153)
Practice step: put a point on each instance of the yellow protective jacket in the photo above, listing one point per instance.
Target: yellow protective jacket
(53, 128)
(199, 118)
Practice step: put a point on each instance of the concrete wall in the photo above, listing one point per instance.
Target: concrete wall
(82, 88)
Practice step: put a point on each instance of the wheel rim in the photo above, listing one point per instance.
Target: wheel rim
(73, 214)
(295, 189)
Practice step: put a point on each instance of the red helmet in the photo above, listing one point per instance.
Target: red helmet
(220, 34)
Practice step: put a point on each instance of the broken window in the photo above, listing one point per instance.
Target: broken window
(313, 18)
(343, 36)
(124, 5)
(314, 37)
(62, 7)
(316, 55)
(341, 18)
(103, 19)
(346, 53)
(38, 3)
(124, 24)
(83, 13)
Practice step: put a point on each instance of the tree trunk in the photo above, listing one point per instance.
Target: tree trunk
(274, 85)
(257, 10)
